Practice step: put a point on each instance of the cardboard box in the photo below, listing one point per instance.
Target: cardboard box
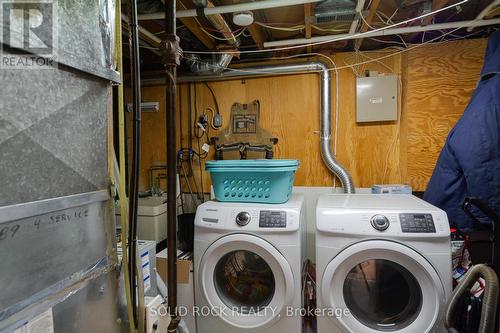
(184, 267)
(185, 288)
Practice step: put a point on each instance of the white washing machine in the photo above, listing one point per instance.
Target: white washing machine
(383, 264)
(247, 266)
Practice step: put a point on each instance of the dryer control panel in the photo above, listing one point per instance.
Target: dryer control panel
(272, 219)
(422, 223)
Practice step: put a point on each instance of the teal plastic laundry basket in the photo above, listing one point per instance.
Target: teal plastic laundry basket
(268, 181)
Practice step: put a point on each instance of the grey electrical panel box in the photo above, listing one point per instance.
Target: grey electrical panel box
(377, 98)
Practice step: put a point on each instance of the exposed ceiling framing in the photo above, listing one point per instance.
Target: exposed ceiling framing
(368, 21)
(285, 20)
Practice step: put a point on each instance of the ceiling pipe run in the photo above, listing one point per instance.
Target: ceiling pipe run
(326, 110)
(240, 7)
(386, 32)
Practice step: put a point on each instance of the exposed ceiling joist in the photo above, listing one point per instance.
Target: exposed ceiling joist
(192, 25)
(359, 8)
(308, 13)
(257, 35)
(369, 19)
(493, 13)
(195, 29)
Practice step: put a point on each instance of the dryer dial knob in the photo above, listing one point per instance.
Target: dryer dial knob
(243, 218)
(380, 222)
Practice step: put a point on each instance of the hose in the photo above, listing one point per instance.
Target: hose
(490, 298)
(136, 151)
(121, 188)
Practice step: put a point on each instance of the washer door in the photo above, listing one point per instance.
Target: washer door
(246, 281)
(385, 286)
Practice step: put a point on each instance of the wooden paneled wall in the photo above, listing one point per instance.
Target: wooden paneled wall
(439, 80)
(436, 84)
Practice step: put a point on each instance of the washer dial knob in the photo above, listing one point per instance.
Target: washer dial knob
(380, 222)
(243, 218)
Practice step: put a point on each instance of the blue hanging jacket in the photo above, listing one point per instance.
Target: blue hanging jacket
(469, 164)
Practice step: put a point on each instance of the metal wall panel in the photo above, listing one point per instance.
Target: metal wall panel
(94, 308)
(45, 253)
(52, 134)
(82, 35)
(57, 239)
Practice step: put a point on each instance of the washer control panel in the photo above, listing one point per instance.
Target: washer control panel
(421, 223)
(380, 222)
(272, 219)
(243, 218)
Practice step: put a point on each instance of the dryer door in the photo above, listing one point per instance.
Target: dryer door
(384, 286)
(246, 281)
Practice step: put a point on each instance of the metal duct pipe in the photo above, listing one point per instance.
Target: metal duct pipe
(218, 62)
(326, 113)
(326, 132)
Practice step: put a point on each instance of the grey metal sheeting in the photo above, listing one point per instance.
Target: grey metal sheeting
(53, 139)
(82, 36)
(51, 256)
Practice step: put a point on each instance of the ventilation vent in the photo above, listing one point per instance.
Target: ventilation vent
(335, 11)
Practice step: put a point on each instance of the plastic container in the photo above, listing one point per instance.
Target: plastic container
(268, 181)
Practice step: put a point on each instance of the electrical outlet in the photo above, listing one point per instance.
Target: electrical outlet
(217, 120)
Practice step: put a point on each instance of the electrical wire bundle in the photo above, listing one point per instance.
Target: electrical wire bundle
(209, 119)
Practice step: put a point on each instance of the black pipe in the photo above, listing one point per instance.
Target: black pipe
(190, 117)
(136, 151)
(171, 58)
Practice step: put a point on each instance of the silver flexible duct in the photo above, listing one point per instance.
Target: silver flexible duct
(326, 110)
(326, 132)
(205, 67)
(219, 62)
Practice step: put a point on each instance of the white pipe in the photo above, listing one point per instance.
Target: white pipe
(359, 8)
(255, 5)
(485, 11)
(387, 32)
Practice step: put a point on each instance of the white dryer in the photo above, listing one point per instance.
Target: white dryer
(247, 265)
(383, 264)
